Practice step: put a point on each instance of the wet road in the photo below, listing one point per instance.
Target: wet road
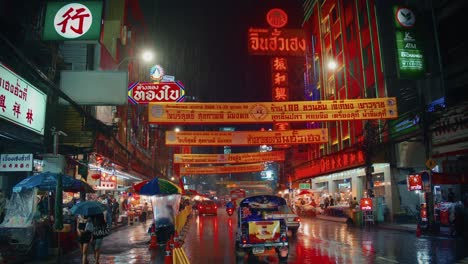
(211, 240)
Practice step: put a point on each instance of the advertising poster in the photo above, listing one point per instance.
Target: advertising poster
(264, 231)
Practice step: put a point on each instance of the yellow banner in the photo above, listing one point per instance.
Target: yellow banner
(246, 138)
(229, 158)
(222, 169)
(266, 112)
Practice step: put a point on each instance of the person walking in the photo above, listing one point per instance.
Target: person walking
(100, 231)
(84, 228)
(144, 213)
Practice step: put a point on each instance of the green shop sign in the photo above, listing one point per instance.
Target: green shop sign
(409, 50)
(73, 21)
(404, 125)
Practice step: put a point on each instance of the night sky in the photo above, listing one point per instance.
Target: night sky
(204, 45)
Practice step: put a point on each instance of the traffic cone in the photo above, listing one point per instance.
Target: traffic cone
(153, 242)
(418, 231)
(171, 242)
(168, 257)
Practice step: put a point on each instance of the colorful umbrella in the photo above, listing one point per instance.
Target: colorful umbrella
(159, 186)
(137, 186)
(87, 208)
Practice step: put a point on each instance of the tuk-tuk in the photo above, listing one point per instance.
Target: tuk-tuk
(258, 231)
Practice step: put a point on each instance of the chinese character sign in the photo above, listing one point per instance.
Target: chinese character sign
(73, 21)
(16, 162)
(20, 102)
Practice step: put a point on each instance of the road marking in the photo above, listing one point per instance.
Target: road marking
(388, 260)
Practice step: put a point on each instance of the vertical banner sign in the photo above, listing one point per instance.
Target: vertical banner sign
(73, 21)
(20, 102)
(279, 81)
(410, 54)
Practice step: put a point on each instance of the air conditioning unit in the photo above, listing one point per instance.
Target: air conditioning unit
(54, 163)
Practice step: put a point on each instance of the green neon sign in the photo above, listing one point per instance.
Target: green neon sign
(409, 52)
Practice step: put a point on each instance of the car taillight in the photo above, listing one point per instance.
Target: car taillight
(297, 219)
(200, 207)
(215, 207)
(283, 238)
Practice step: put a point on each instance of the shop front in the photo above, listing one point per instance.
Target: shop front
(341, 178)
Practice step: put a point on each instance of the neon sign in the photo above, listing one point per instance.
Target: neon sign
(285, 42)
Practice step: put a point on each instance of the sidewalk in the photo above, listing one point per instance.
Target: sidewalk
(444, 231)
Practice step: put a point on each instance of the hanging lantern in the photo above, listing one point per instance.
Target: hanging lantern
(96, 176)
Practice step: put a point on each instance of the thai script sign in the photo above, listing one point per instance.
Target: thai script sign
(147, 92)
(409, 47)
(366, 204)
(20, 102)
(73, 21)
(246, 138)
(267, 112)
(222, 169)
(108, 182)
(286, 42)
(414, 182)
(16, 162)
(229, 158)
(330, 163)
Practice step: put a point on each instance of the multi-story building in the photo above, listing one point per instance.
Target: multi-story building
(354, 52)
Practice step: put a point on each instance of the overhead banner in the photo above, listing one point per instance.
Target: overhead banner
(222, 169)
(229, 158)
(267, 112)
(246, 138)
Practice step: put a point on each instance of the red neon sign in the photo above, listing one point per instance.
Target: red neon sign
(366, 204)
(277, 18)
(414, 182)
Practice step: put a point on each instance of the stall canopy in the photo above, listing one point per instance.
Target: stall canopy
(47, 181)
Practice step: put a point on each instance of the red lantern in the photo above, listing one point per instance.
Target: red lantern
(96, 176)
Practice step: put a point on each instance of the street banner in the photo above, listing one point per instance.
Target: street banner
(222, 169)
(268, 112)
(246, 138)
(146, 92)
(229, 158)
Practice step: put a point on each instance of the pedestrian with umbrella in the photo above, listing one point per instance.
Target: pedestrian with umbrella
(85, 227)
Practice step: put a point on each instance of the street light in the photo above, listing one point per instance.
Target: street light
(332, 65)
(146, 56)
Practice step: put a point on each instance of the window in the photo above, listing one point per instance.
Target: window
(349, 32)
(362, 17)
(370, 92)
(334, 15)
(340, 78)
(366, 56)
(351, 67)
(338, 46)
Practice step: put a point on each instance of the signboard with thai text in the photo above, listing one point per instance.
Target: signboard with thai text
(107, 182)
(147, 92)
(73, 21)
(222, 169)
(414, 182)
(366, 204)
(16, 162)
(229, 158)
(274, 41)
(330, 163)
(21, 102)
(246, 138)
(267, 112)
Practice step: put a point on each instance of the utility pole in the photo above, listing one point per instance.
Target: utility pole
(368, 146)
